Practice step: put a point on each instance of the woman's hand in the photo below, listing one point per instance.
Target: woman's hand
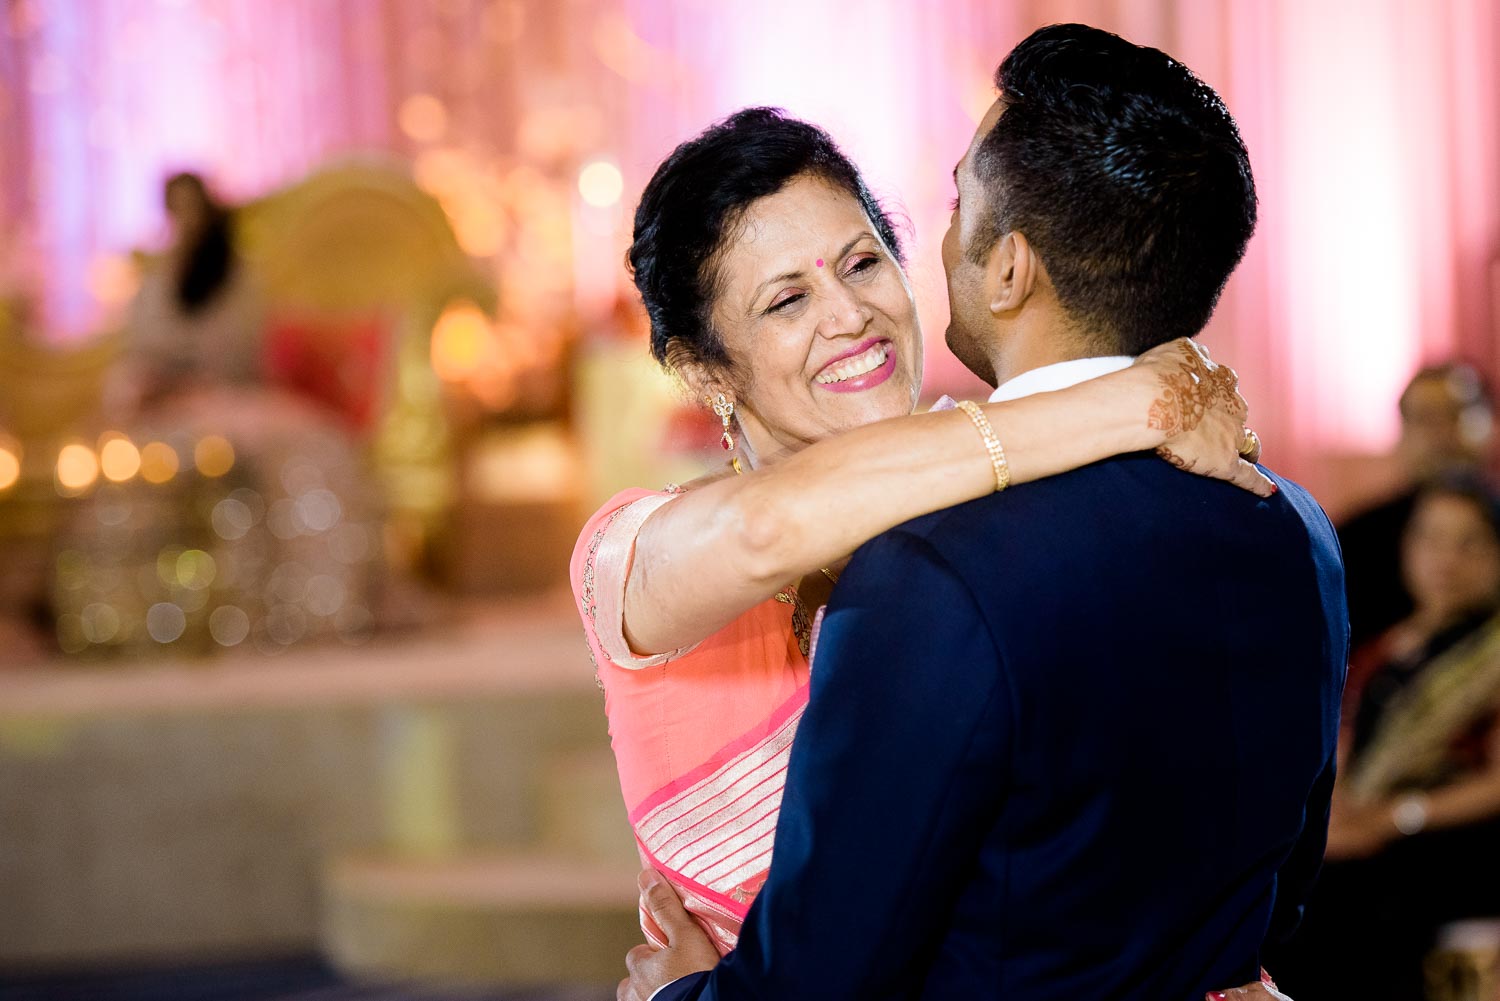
(1201, 416)
(1261, 990)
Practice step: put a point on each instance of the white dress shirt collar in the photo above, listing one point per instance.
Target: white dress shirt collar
(1050, 378)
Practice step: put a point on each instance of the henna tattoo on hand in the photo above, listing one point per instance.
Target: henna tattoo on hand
(1189, 392)
(1186, 465)
(1181, 406)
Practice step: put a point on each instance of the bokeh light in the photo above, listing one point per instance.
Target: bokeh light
(284, 520)
(159, 462)
(423, 118)
(195, 569)
(319, 510)
(166, 565)
(228, 625)
(213, 455)
(459, 342)
(325, 595)
(100, 623)
(165, 622)
(285, 624)
(10, 464)
(231, 519)
(601, 184)
(119, 459)
(289, 582)
(77, 468)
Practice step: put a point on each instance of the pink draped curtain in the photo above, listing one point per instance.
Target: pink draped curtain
(1371, 124)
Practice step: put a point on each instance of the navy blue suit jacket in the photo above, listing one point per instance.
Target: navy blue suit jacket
(1071, 741)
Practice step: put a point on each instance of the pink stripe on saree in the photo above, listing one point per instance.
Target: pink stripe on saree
(710, 831)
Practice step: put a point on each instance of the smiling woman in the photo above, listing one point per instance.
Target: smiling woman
(828, 348)
(775, 289)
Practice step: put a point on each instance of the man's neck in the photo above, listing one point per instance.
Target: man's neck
(1023, 354)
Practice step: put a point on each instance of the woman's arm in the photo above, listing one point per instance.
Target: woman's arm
(1359, 830)
(1468, 800)
(718, 551)
(1465, 802)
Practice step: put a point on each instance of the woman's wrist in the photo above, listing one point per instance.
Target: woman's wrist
(1050, 433)
(1128, 398)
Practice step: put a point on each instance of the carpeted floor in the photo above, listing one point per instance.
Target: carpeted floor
(295, 979)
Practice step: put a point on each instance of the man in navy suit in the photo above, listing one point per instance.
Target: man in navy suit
(1074, 740)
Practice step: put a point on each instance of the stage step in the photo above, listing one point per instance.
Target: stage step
(514, 918)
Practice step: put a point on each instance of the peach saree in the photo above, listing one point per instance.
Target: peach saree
(701, 735)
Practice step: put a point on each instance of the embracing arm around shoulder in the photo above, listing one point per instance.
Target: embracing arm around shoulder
(717, 551)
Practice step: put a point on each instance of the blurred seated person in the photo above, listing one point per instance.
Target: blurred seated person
(268, 481)
(1447, 417)
(1414, 837)
(197, 317)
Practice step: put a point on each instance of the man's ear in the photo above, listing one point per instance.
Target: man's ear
(1010, 273)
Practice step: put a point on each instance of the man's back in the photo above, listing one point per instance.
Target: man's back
(1174, 651)
(1060, 745)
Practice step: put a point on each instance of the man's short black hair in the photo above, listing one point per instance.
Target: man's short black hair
(1127, 175)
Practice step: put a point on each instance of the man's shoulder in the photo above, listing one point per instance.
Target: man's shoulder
(1052, 498)
(1024, 522)
(1303, 502)
(1119, 501)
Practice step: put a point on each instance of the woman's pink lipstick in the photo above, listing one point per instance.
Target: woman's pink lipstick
(868, 380)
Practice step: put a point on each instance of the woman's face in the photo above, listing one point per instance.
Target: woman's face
(817, 318)
(1451, 557)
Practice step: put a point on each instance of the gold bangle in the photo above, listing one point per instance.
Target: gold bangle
(992, 444)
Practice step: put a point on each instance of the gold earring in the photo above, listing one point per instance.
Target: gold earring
(725, 411)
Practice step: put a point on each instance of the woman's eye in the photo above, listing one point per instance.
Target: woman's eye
(863, 264)
(953, 205)
(783, 303)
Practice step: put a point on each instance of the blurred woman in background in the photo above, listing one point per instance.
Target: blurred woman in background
(253, 521)
(1414, 839)
(197, 317)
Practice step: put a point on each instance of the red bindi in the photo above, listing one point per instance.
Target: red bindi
(820, 262)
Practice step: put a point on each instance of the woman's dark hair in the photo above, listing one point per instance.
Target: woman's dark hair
(694, 202)
(1126, 173)
(1464, 486)
(208, 262)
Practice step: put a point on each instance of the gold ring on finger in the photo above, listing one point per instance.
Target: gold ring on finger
(1251, 443)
